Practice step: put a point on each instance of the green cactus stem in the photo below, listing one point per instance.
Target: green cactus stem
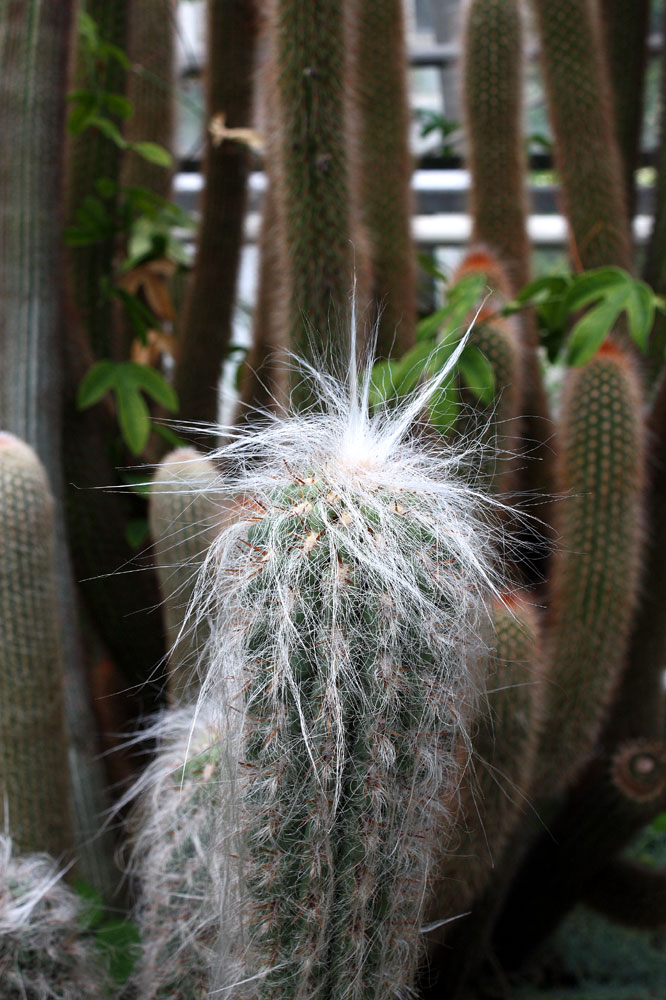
(597, 564)
(638, 707)
(205, 332)
(625, 24)
(384, 168)
(492, 89)
(307, 146)
(34, 774)
(184, 518)
(586, 151)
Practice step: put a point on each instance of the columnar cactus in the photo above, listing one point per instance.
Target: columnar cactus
(307, 146)
(586, 150)
(597, 565)
(384, 167)
(346, 603)
(34, 776)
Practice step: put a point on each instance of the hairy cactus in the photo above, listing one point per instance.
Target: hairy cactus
(34, 777)
(346, 604)
(44, 953)
(176, 857)
(597, 565)
(184, 519)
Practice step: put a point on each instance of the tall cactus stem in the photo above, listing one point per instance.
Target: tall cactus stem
(383, 167)
(150, 89)
(205, 332)
(597, 564)
(34, 774)
(587, 154)
(307, 144)
(625, 24)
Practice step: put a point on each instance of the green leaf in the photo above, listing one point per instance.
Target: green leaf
(97, 381)
(154, 383)
(640, 308)
(139, 315)
(87, 29)
(137, 532)
(427, 264)
(153, 153)
(111, 53)
(106, 187)
(92, 910)
(444, 407)
(544, 288)
(118, 105)
(477, 374)
(133, 416)
(429, 326)
(408, 372)
(83, 114)
(592, 285)
(109, 129)
(119, 941)
(591, 330)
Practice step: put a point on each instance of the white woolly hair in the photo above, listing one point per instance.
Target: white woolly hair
(176, 855)
(44, 953)
(345, 607)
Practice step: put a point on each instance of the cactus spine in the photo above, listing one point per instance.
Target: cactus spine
(597, 565)
(586, 151)
(34, 777)
(384, 167)
(307, 148)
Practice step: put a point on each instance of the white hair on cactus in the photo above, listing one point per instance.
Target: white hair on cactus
(44, 952)
(177, 854)
(341, 675)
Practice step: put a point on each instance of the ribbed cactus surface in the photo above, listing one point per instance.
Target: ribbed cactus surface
(34, 776)
(492, 88)
(384, 167)
(307, 143)
(586, 150)
(597, 565)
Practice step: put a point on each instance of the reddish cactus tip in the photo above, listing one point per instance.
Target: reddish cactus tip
(611, 348)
